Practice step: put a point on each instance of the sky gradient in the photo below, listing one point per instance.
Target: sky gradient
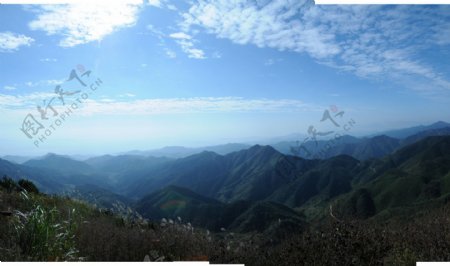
(198, 73)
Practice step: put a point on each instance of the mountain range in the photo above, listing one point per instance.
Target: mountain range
(258, 188)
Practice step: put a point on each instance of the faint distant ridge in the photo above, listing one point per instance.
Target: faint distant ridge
(375, 146)
(60, 163)
(421, 135)
(406, 132)
(16, 159)
(181, 151)
(123, 163)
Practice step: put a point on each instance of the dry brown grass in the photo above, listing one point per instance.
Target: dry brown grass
(103, 236)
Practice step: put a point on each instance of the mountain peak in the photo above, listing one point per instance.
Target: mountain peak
(203, 154)
(440, 124)
(262, 151)
(52, 155)
(262, 148)
(58, 162)
(382, 137)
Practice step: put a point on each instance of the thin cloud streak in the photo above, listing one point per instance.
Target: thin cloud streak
(163, 106)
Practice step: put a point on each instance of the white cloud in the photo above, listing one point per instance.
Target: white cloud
(265, 25)
(9, 88)
(162, 4)
(172, 7)
(156, 3)
(187, 45)
(11, 42)
(84, 23)
(131, 95)
(180, 35)
(372, 42)
(48, 60)
(192, 52)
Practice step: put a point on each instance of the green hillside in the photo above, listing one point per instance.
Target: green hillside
(242, 216)
(409, 180)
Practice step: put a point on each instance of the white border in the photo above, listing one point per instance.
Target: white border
(177, 263)
(42, 2)
(381, 2)
(318, 2)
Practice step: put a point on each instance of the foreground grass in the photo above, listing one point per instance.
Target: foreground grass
(47, 228)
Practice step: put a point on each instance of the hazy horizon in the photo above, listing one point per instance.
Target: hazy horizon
(249, 141)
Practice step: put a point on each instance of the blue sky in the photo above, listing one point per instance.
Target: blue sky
(198, 73)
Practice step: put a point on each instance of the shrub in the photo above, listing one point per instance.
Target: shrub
(8, 184)
(29, 186)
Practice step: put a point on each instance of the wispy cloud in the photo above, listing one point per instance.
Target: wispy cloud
(162, 4)
(190, 50)
(156, 3)
(121, 106)
(374, 42)
(84, 23)
(131, 95)
(48, 82)
(11, 41)
(170, 53)
(23, 101)
(216, 55)
(180, 35)
(182, 39)
(266, 25)
(155, 31)
(194, 105)
(272, 61)
(48, 60)
(9, 88)
(186, 43)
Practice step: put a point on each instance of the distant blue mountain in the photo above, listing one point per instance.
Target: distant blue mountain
(180, 151)
(363, 148)
(406, 132)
